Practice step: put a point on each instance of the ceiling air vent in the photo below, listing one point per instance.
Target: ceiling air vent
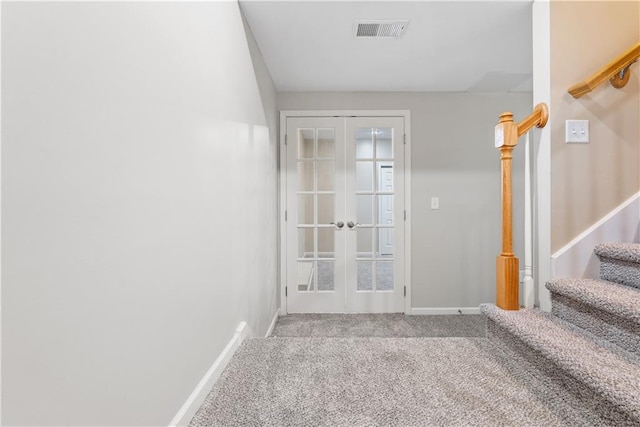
(380, 29)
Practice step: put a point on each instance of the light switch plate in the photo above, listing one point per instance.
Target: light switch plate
(577, 131)
(435, 203)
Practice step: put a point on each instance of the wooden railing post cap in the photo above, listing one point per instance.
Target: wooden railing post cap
(507, 116)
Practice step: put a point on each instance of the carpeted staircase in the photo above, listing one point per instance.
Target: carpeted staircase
(587, 349)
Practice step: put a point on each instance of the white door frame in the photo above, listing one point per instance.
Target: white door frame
(284, 115)
(542, 159)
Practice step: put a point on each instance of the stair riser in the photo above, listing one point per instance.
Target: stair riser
(623, 272)
(607, 326)
(595, 409)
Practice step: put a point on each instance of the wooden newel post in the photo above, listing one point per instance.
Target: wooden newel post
(507, 266)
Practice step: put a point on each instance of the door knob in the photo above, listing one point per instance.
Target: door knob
(338, 224)
(351, 224)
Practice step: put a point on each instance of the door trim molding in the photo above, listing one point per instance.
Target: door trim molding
(282, 176)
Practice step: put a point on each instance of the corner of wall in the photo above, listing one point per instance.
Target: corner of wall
(576, 259)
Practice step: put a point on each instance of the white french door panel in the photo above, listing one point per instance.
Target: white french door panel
(315, 201)
(345, 214)
(375, 202)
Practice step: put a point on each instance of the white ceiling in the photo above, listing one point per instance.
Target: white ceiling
(477, 46)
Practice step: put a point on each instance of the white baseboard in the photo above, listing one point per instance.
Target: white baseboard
(199, 394)
(444, 310)
(273, 323)
(576, 259)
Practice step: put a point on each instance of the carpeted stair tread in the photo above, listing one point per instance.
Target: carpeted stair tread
(620, 263)
(620, 300)
(607, 373)
(629, 252)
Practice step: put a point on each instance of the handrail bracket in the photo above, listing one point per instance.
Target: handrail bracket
(621, 78)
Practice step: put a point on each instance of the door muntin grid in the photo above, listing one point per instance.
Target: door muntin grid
(316, 194)
(374, 194)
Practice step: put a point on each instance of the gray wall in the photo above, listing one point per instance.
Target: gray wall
(137, 148)
(453, 158)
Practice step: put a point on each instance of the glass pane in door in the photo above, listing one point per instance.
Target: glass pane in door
(326, 208)
(305, 209)
(364, 209)
(326, 143)
(316, 209)
(364, 242)
(385, 176)
(384, 276)
(364, 176)
(364, 144)
(384, 145)
(385, 209)
(385, 243)
(306, 242)
(364, 275)
(326, 275)
(305, 276)
(305, 176)
(306, 138)
(326, 175)
(326, 243)
(306, 264)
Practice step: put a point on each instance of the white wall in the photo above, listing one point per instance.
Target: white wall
(453, 158)
(138, 205)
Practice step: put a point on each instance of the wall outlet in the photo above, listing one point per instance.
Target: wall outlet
(577, 131)
(435, 203)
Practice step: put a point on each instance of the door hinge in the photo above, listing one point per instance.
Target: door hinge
(405, 215)
(405, 291)
(285, 215)
(285, 291)
(404, 137)
(285, 139)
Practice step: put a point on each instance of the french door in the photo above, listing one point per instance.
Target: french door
(345, 214)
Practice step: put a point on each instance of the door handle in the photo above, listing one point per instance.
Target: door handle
(338, 224)
(351, 224)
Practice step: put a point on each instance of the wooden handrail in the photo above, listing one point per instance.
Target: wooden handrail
(616, 71)
(507, 264)
(539, 118)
